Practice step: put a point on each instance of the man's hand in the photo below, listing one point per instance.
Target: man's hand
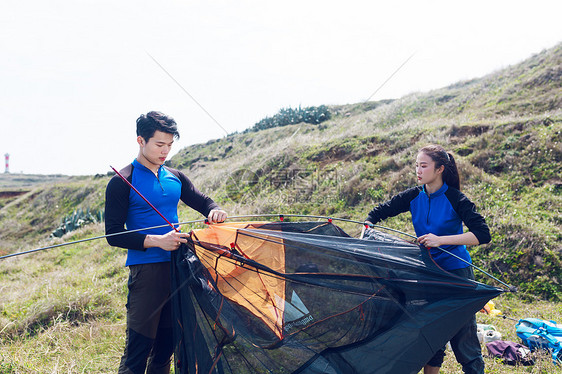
(217, 216)
(168, 242)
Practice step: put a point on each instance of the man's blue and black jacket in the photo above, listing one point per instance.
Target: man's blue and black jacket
(126, 210)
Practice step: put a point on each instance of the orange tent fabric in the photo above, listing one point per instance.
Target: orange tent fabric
(261, 294)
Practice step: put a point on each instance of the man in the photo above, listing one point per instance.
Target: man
(149, 343)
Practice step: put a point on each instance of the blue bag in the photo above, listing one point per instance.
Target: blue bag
(537, 333)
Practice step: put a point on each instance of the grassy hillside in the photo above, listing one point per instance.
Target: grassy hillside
(29, 216)
(62, 310)
(506, 129)
(14, 185)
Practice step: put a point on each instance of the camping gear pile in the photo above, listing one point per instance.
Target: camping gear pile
(535, 334)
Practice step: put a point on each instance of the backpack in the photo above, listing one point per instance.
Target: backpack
(511, 353)
(539, 334)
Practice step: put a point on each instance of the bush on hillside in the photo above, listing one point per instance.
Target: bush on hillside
(289, 116)
(76, 220)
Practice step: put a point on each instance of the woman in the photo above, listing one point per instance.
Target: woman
(438, 211)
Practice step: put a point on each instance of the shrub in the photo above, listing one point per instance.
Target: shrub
(289, 116)
(76, 220)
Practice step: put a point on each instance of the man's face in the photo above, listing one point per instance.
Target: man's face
(156, 150)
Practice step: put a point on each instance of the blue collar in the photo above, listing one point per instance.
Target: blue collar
(138, 165)
(439, 192)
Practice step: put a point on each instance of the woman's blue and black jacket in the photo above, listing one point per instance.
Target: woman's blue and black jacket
(441, 213)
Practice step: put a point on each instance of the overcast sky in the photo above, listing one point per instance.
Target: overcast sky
(75, 75)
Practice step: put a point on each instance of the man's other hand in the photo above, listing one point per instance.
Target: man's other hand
(217, 216)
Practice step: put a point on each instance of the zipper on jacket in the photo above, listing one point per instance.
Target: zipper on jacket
(158, 179)
(428, 207)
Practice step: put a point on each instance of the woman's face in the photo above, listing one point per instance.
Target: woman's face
(426, 171)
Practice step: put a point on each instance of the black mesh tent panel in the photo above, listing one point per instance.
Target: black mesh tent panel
(346, 305)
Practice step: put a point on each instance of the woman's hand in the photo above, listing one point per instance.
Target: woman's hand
(433, 241)
(430, 240)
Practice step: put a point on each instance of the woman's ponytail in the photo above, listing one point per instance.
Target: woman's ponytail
(451, 173)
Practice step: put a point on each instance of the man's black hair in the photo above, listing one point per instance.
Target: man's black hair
(153, 121)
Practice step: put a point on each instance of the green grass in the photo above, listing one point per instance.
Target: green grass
(63, 310)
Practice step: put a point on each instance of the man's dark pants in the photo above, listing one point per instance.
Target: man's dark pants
(149, 343)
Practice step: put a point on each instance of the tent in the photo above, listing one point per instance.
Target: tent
(305, 297)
